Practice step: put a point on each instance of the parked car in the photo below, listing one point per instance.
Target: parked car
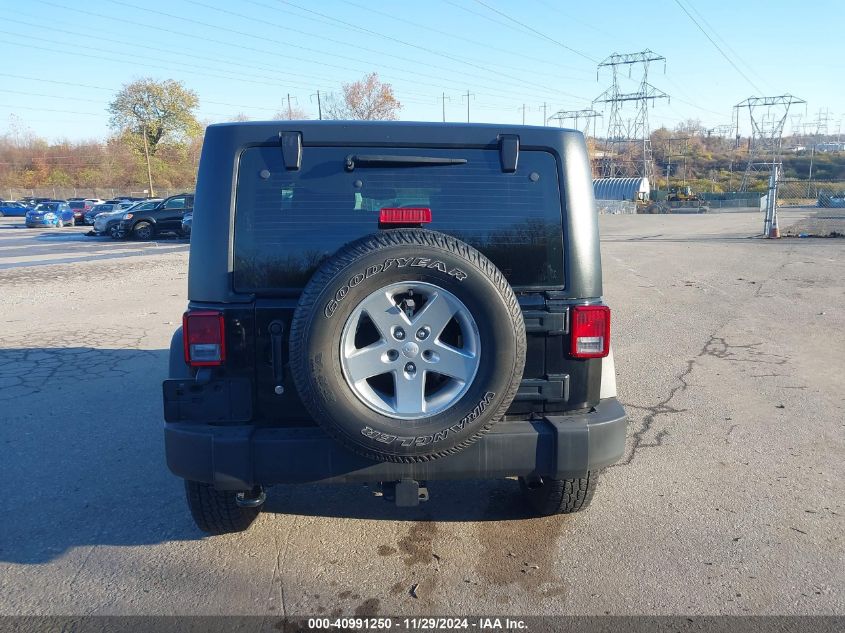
(106, 223)
(92, 202)
(13, 209)
(187, 220)
(33, 202)
(97, 209)
(402, 323)
(165, 218)
(78, 208)
(54, 213)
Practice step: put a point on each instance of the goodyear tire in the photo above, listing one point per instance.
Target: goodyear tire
(407, 345)
(547, 496)
(217, 511)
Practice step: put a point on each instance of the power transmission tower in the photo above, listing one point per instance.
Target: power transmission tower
(768, 116)
(684, 140)
(625, 135)
(722, 131)
(822, 119)
(587, 115)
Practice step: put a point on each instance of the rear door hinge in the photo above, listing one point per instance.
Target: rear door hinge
(291, 143)
(509, 152)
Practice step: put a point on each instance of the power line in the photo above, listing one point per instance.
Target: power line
(227, 43)
(718, 48)
(259, 50)
(480, 66)
(487, 45)
(287, 57)
(725, 42)
(170, 51)
(319, 36)
(536, 32)
(20, 107)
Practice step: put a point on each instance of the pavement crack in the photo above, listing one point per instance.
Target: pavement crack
(82, 566)
(661, 408)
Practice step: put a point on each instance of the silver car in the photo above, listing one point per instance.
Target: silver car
(106, 223)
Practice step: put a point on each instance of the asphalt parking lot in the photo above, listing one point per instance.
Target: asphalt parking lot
(21, 247)
(730, 499)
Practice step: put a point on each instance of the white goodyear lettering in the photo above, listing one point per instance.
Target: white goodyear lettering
(375, 269)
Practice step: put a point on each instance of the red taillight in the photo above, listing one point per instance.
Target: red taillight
(401, 215)
(590, 331)
(205, 341)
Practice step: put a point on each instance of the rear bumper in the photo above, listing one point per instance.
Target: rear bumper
(238, 457)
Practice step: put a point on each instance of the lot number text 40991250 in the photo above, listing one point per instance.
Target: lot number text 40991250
(419, 624)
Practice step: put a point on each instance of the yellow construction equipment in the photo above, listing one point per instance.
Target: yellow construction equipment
(682, 194)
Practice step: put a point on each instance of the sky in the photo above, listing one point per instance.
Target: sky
(64, 60)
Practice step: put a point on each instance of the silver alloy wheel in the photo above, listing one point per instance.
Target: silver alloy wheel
(414, 369)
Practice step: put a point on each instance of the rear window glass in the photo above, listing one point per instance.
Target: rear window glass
(77, 204)
(287, 222)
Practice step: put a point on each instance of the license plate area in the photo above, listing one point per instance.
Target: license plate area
(228, 400)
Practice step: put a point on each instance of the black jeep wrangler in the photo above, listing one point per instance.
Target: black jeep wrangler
(391, 303)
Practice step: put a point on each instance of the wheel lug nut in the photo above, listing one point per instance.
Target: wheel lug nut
(410, 368)
(392, 354)
(422, 334)
(399, 334)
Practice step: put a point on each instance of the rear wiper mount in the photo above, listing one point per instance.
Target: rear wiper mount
(386, 160)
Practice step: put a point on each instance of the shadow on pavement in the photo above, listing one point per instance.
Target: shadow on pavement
(82, 449)
(83, 458)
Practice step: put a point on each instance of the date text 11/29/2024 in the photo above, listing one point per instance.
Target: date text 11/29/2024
(418, 624)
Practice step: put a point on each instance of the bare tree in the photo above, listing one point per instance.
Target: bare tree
(367, 99)
(152, 111)
(294, 114)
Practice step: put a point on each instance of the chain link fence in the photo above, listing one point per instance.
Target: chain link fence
(615, 207)
(811, 193)
(63, 193)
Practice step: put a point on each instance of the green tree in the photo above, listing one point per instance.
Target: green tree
(153, 112)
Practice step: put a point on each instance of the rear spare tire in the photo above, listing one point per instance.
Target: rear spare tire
(407, 345)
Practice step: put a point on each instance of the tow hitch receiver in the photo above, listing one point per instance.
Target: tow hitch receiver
(406, 493)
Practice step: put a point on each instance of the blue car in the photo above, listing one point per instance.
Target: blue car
(57, 214)
(13, 209)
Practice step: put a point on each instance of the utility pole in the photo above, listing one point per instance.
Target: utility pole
(468, 95)
(622, 137)
(147, 156)
(523, 113)
(290, 112)
(319, 105)
(545, 120)
(443, 98)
